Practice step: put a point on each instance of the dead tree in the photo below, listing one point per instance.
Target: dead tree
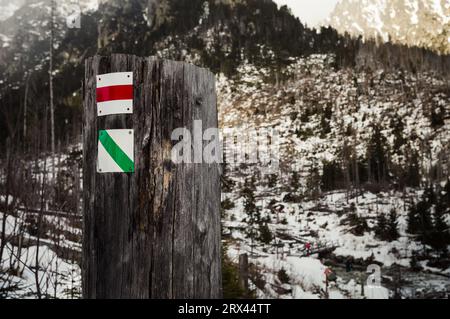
(154, 233)
(50, 81)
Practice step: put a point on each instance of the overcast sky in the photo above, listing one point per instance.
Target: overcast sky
(311, 12)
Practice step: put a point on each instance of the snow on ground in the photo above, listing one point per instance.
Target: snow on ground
(57, 277)
(307, 273)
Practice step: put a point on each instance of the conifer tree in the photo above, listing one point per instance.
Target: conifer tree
(272, 180)
(419, 217)
(392, 226)
(265, 233)
(377, 154)
(295, 181)
(413, 220)
(250, 208)
(381, 226)
(440, 238)
(424, 211)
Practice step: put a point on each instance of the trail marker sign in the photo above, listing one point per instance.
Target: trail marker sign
(115, 151)
(115, 93)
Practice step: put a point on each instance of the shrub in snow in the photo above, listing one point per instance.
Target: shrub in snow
(283, 276)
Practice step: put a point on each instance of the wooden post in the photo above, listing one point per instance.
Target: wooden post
(362, 285)
(154, 233)
(243, 272)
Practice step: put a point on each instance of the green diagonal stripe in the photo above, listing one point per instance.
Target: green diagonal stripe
(119, 156)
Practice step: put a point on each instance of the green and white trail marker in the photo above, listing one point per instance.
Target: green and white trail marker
(115, 151)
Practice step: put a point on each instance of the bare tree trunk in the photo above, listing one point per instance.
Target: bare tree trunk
(356, 168)
(362, 286)
(39, 226)
(347, 169)
(19, 248)
(42, 205)
(25, 110)
(52, 106)
(3, 238)
(76, 174)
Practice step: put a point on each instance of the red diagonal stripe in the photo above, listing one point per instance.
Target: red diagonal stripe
(117, 92)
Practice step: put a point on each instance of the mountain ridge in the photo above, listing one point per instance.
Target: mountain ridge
(424, 23)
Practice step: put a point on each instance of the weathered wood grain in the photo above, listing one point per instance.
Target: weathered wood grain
(154, 233)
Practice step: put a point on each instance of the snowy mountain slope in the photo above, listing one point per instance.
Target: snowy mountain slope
(7, 8)
(424, 23)
(309, 139)
(21, 14)
(319, 106)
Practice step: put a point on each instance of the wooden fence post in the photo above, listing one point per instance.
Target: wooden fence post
(243, 273)
(154, 233)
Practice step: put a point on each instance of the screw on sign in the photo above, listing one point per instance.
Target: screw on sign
(115, 93)
(115, 151)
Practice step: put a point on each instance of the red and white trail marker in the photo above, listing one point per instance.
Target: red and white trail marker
(115, 93)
